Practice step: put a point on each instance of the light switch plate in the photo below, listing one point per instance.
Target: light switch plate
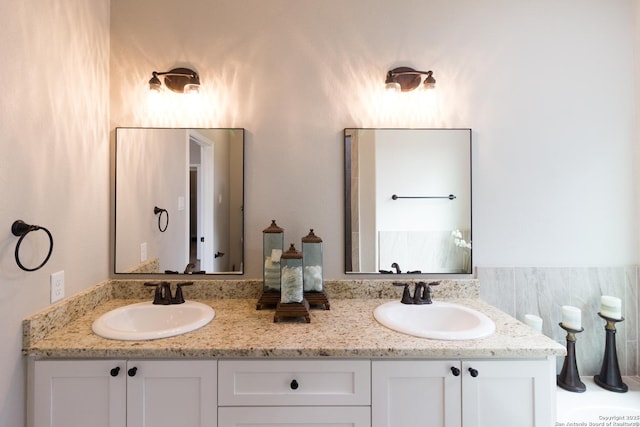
(57, 286)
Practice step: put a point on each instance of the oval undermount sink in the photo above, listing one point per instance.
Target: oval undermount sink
(439, 320)
(145, 321)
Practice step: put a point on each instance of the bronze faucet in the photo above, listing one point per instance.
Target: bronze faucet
(163, 296)
(421, 293)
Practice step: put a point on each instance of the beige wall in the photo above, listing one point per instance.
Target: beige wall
(546, 86)
(54, 112)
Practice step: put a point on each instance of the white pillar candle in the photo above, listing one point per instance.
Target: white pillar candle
(571, 317)
(533, 321)
(611, 307)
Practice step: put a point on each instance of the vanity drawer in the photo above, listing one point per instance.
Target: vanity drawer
(294, 382)
(297, 416)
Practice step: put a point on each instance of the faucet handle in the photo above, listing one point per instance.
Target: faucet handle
(426, 292)
(406, 295)
(157, 296)
(179, 298)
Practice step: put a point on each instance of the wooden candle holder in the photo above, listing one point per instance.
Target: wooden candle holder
(292, 310)
(569, 378)
(268, 300)
(609, 377)
(317, 299)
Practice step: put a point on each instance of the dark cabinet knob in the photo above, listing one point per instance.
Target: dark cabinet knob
(473, 372)
(132, 372)
(455, 371)
(294, 385)
(115, 371)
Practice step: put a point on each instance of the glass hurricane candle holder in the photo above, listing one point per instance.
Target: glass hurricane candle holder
(312, 262)
(291, 276)
(313, 278)
(272, 245)
(292, 303)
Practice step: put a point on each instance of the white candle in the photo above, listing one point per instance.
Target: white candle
(611, 307)
(571, 317)
(533, 321)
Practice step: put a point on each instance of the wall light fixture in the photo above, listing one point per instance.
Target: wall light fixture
(406, 79)
(180, 80)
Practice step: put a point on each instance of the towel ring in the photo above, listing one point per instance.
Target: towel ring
(20, 228)
(157, 210)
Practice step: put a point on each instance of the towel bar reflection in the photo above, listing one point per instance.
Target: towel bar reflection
(156, 211)
(450, 197)
(20, 228)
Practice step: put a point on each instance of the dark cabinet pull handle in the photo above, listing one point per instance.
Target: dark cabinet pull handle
(294, 385)
(115, 371)
(455, 371)
(473, 372)
(132, 372)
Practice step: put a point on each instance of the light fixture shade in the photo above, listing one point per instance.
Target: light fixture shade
(429, 82)
(154, 83)
(393, 87)
(192, 89)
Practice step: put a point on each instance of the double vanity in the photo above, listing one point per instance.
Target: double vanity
(241, 369)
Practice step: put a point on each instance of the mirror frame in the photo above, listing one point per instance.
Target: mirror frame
(113, 208)
(348, 228)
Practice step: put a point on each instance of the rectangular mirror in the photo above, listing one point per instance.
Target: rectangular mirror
(179, 201)
(408, 201)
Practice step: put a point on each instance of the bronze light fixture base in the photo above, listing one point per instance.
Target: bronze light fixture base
(176, 79)
(408, 78)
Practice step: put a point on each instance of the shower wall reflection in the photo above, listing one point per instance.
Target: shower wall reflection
(408, 200)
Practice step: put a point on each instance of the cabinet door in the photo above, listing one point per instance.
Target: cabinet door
(508, 393)
(79, 393)
(295, 416)
(415, 393)
(171, 393)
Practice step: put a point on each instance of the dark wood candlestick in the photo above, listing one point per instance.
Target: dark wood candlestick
(609, 377)
(569, 378)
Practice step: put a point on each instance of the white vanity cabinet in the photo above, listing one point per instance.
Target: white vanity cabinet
(119, 393)
(292, 392)
(469, 393)
(301, 393)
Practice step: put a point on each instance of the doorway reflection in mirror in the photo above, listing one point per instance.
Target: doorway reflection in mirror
(197, 176)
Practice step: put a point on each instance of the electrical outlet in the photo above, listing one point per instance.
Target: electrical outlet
(143, 252)
(57, 286)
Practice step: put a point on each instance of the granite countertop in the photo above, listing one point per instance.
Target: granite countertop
(347, 330)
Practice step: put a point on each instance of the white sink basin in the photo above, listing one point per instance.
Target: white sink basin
(440, 320)
(145, 321)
